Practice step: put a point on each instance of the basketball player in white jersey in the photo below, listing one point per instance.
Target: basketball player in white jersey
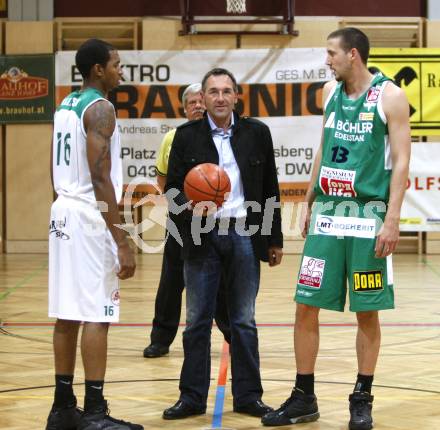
(87, 252)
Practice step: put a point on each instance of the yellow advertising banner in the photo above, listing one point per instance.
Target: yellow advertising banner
(417, 72)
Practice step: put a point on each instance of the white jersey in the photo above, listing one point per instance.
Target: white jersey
(83, 260)
(71, 173)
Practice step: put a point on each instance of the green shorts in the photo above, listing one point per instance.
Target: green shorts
(340, 246)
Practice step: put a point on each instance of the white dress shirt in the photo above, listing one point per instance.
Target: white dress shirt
(233, 207)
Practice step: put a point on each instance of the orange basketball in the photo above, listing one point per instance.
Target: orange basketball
(207, 182)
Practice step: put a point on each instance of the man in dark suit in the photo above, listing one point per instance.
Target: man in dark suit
(246, 229)
(169, 294)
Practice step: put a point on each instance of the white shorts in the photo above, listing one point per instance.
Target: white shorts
(83, 262)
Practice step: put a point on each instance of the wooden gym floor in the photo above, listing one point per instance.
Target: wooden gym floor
(407, 381)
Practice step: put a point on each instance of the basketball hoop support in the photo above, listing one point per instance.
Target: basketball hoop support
(190, 21)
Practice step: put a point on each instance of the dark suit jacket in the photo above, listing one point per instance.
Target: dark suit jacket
(252, 146)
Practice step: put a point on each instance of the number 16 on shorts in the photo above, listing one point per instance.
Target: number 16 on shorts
(109, 311)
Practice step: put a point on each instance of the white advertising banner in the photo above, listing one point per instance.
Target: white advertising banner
(251, 66)
(281, 87)
(421, 207)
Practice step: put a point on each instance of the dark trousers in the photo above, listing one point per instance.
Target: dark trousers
(232, 256)
(169, 298)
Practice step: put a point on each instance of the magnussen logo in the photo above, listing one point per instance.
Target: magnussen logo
(337, 182)
(16, 84)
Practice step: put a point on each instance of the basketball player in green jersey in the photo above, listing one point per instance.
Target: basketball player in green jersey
(357, 187)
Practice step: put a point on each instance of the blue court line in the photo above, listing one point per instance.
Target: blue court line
(221, 387)
(218, 408)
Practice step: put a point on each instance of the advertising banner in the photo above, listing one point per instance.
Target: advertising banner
(421, 209)
(283, 88)
(26, 88)
(417, 72)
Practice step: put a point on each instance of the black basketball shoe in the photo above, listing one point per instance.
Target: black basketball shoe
(100, 419)
(361, 404)
(64, 418)
(298, 408)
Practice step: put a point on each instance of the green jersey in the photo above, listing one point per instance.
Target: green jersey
(356, 160)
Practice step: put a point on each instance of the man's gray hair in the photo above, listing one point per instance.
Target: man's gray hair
(191, 89)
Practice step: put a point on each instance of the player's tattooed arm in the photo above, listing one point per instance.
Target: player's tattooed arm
(99, 124)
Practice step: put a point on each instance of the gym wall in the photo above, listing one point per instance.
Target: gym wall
(26, 152)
